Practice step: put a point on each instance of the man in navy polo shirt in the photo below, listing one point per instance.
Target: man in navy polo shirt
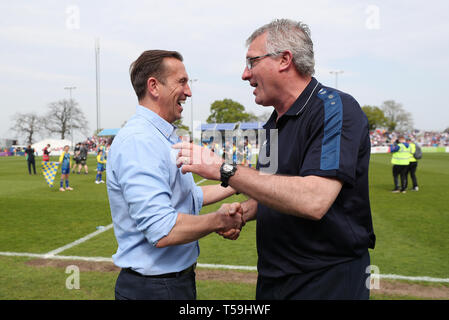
(313, 214)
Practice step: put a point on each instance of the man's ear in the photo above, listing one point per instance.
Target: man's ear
(153, 87)
(286, 60)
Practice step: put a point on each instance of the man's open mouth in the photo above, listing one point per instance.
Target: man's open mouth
(181, 102)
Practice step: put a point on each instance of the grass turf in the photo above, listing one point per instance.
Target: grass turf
(411, 230)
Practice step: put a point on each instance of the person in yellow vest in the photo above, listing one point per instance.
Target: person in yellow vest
(400, 159)
(413, 165)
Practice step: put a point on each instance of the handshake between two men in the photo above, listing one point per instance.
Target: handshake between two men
(233, 221)
(204, 162)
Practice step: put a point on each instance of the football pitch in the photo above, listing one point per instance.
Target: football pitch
(43, 231)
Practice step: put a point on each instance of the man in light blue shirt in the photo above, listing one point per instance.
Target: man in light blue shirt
(154, 207)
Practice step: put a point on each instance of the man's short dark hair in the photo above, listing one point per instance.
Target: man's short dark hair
(149, 64)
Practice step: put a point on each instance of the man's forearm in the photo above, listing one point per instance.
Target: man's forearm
(190, 228)
(307, 197)
(215, 193)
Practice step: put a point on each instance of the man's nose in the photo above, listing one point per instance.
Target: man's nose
(246, 74)
(188, 92)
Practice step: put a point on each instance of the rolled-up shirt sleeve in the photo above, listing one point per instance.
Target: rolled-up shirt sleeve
(144, 179)
(198, 197)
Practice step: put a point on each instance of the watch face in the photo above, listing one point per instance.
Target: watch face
(228, 167)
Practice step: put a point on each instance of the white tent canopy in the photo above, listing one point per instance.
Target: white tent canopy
(56, 146)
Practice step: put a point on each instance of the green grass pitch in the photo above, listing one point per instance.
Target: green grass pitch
(411, 229)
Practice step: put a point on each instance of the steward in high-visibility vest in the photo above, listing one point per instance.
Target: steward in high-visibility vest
(412, 151)
(400, 160)
(413, 165)
(402, 155)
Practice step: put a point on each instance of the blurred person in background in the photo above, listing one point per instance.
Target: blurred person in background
(65, 162)
(29, 154)
(400, 159)
(413, 165)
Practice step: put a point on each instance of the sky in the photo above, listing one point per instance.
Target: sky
(387, 50)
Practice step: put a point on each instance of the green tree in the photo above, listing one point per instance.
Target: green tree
(376, 117)
(229, 111)
(181, 126)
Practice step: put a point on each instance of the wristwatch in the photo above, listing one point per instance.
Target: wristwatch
(227, 170)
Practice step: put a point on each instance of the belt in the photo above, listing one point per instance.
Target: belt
(165, 275)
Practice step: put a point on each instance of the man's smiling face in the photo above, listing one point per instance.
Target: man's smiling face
(261, 75)
(174, 90)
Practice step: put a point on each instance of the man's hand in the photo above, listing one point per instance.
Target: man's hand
(199, 160)
(233, 218)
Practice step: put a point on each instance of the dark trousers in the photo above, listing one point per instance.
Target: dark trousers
(344, 281)
(31, 163)
(412, 170)
(400, 171)
(135, 287)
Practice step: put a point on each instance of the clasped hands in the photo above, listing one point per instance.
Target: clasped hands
(231, 215)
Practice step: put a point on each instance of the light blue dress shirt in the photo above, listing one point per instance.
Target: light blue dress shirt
(146, 192)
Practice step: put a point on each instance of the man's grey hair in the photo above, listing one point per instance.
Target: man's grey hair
(285, 34)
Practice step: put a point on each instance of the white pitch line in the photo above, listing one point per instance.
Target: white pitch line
(53, 257)
(399, 277)
(200, 182)
(228, 267)
(89, 236)
(22, 254)
(211, 266)
(79, 241)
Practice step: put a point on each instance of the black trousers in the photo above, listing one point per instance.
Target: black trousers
(412, 170)
(400, 171)
(31, 163)
(134, 287)
(344, 281)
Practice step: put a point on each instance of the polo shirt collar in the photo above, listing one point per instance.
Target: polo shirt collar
(298, 106)
(165, 127)
(304, 98)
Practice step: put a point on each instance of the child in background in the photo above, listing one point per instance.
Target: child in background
(65, 162)
(46, 155)
(101, 166)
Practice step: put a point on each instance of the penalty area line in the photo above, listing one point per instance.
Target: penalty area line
(79, 241)
(200, 182)
(54, 257)
(211, 266)
(89, 236)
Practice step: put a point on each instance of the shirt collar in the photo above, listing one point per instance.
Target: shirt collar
(299, 105)
(304, 98)
(166, 128)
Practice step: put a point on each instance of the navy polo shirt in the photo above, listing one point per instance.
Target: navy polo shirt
(324, 133)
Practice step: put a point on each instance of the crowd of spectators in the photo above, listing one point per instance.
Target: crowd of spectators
(94, 142)
(382, 137)
(379, 138)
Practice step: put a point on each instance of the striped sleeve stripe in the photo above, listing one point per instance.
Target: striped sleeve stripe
(333, 119)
